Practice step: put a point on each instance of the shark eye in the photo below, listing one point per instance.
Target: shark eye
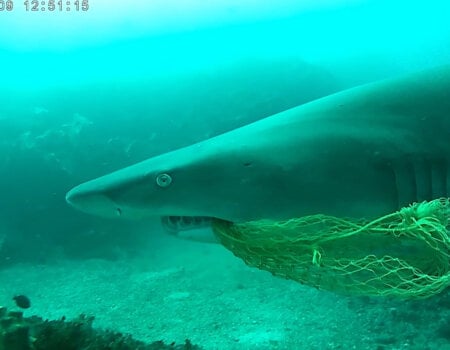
(163, 180)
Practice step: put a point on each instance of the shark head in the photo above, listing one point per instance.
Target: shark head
(150, 188)
(208, 179)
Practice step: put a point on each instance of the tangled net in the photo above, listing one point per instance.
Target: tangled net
(403, 254)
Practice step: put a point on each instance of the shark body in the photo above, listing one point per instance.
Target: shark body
(363, 152)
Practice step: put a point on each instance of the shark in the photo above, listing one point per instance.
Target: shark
(362, 152)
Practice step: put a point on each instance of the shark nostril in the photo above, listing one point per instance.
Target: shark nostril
(119, 211)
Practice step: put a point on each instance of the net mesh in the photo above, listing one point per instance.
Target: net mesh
(404, 254)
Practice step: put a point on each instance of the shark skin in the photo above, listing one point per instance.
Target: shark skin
(362, 153)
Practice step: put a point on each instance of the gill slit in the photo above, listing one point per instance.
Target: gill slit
(421, 180)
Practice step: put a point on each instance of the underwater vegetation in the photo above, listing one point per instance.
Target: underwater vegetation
(34, 333)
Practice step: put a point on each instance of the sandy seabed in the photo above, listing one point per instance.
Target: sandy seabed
(180, 289)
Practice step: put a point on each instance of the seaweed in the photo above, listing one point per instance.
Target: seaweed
(35, 333)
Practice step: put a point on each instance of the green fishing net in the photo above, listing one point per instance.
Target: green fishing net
(404, 254)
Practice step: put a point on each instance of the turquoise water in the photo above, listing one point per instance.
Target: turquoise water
(87, 92)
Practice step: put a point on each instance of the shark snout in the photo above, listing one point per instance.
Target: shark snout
(92, 201)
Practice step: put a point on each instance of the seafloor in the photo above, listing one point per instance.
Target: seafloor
(179, 289)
